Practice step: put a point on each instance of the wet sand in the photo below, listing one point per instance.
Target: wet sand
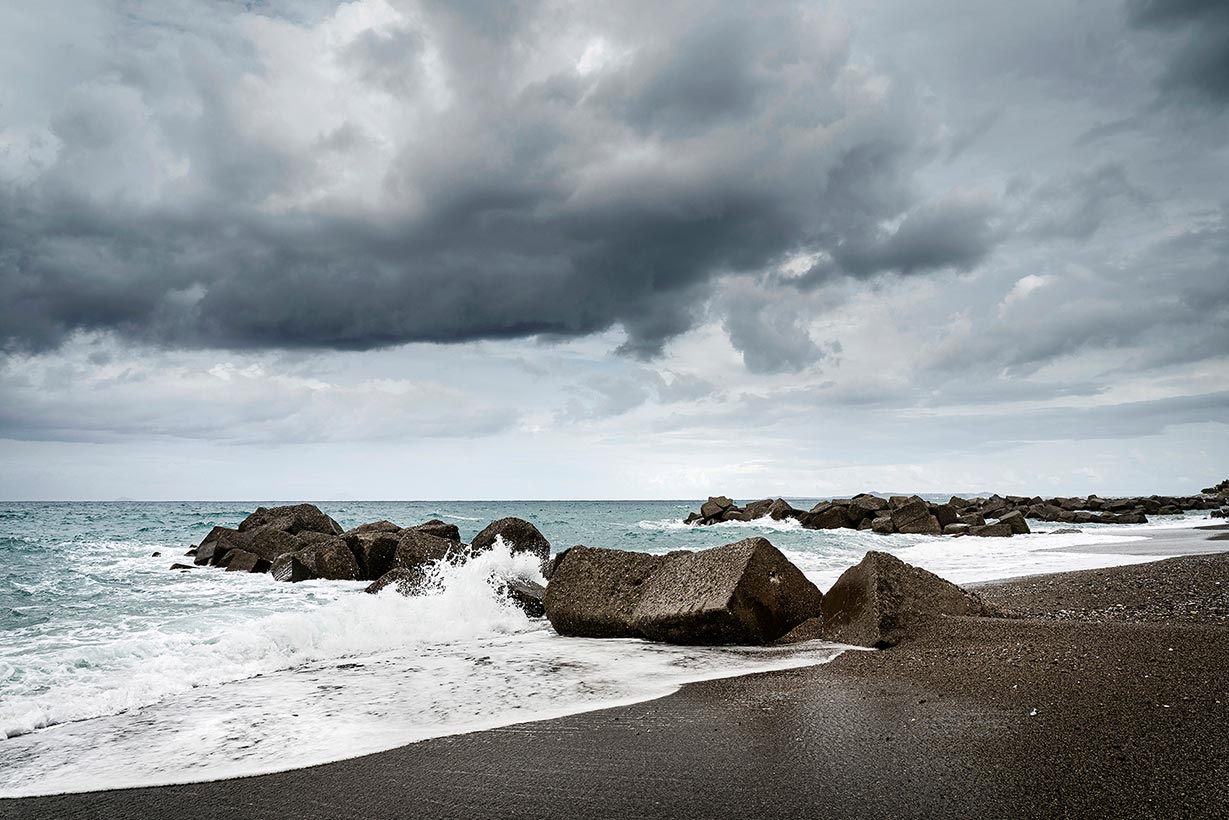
(1120, 710)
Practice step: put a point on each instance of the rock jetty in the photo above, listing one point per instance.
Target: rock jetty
(302, 543)
(996, 516)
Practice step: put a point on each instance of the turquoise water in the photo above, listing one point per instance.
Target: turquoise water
(114, 669)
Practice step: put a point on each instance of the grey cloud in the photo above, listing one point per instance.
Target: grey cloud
(1076, 205)
(520, 202)
(1197, 65)
(956, 232)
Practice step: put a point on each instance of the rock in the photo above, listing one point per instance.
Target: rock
(877, 602)
(291, 569)
(945, 514)
(1065, 531)
(742, 593)
(883, 525)
(330, 560)
(868, 504)
(593, 593)
(407, 581)
(190, 553)
(1015, 520)
(156, 555)
(956, 529)
(292, 519)
(440, 529)
(238, 560)
(912, 515)
(715, 506)
(825, 516)
(374, 526)
(992, 531)
(518, 534)
(780, 509)
(747, 592)
(693, 518)
(975, 519)
(417, 551)
(268, 543)
(181, 566)
(758, 509)
(735, 514)
(373, 550)
(526, 594)
(218, 542)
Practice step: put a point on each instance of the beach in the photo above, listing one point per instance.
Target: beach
(1109, 699)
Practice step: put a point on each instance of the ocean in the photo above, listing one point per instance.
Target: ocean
(116, 671)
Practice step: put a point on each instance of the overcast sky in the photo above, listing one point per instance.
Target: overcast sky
(386, 249)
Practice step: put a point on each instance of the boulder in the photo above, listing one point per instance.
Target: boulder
(291, 569)
(747, 592)
(715, 506)
(293, 518)
(913, 516)
(780, 509)
(992, 531)
(743, 593)
(330, 560)
(518, 534)
(826, 516)
(956, 529)
(594, 592)
(408, 582)
(238, 560)
(1015, 520)
(526, 594)
(416, 551)
(945, 514)
(758, 509)
(374, 526)
(878, 601)
(181, 566)
(868, 504)
(268, 543)
(440, 529)
(974, 519)
(735, 514)
(373, 550)
(217, 543)
(883, 525)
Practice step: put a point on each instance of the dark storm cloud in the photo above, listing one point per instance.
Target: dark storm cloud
(521, 196)
(1197, 65)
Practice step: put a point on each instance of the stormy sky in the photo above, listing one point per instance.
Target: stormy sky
(387, 249)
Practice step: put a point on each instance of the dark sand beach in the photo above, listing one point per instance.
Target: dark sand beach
(1109, 697)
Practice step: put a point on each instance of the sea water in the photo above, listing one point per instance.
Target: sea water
(116, 671)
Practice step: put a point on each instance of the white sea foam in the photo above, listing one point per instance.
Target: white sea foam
(756, 525)
(347, 677)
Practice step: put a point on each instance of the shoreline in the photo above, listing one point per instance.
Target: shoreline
(941, 724)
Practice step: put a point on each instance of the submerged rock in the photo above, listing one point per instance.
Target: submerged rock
(876, 602)
(742, 593)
